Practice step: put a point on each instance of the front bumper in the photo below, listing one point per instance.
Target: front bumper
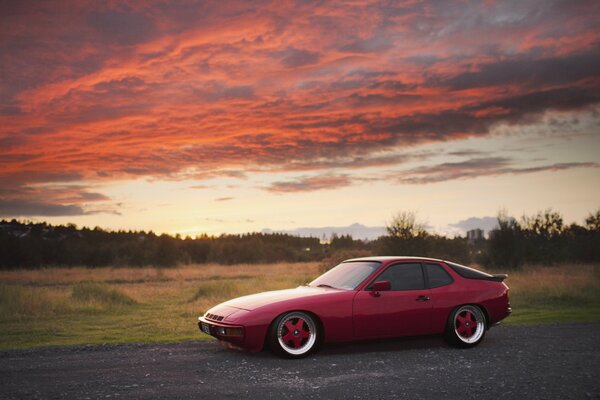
(226, 332)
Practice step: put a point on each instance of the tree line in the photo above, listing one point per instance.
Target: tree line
(32, 245)
(541, 238)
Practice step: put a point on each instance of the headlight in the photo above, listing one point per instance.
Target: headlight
(223, 331)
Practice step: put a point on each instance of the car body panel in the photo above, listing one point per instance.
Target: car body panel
(347, 315)
(258, 300)
(390, 314)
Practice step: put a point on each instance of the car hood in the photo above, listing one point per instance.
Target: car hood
(255, 301)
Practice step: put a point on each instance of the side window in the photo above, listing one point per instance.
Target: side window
(437, 275)
(403, 277)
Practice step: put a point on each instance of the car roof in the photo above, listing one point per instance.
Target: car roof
(393, 258)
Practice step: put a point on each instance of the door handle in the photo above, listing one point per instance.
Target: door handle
(423, 298)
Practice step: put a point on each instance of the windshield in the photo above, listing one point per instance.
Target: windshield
(347, 275)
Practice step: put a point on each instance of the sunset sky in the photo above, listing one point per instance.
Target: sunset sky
(209, 117)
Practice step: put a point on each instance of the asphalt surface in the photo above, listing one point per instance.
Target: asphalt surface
(513, 362)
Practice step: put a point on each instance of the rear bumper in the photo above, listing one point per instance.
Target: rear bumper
(508, 312)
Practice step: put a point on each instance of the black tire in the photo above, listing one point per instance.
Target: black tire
(295, 334)
(466, 326)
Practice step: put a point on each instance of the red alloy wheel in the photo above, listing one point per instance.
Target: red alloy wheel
(296, 333)
(468, 325)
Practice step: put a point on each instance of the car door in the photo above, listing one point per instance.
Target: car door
(402, 311)
(445, 295)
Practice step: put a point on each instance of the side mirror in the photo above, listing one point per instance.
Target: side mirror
(380, 286)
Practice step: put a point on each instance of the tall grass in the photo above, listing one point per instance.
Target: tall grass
(567, 285)
(217, 289)
(18, 302)
(98, 293)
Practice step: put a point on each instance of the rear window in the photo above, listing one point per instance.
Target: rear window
(467, 272)
(437, 275)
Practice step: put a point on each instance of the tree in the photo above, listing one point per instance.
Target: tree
(592, 222)
(505, 245)
(404, 225)
(545, 224)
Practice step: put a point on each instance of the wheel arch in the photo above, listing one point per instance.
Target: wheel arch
(315, 316)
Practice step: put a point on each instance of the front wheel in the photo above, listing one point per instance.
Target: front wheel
(294, 335)
(466, 326)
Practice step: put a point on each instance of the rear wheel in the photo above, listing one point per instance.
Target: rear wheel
(294, 335)
(466, 326)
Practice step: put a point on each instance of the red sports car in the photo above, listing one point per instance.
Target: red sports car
(365, 298)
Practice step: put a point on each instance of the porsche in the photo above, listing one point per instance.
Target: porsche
(363, 299)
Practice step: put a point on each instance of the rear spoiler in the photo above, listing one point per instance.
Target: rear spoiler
(498, 277)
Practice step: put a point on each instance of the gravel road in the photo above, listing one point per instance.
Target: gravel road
(513, 362)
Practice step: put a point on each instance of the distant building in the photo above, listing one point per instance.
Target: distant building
(474, 235)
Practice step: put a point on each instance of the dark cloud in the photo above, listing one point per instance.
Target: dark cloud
(467, 153)
(392, 85)
(478, 167)
(10, 110)
(373, 44)
(90, 196)
(243, 92)
(26, 177)
(531, 71)
(103, 111)
(20, 207)
(38, 193)
(372, 73)
(214, 91)
(115, 134)
(15, 157)
(479, 118)
(472, 168)
(308, 184)
(359, 100)
(224, 198)
(119, 87)
(123, 27)
(13, 141)
(292, 57)
(569, 98)
(351, 161)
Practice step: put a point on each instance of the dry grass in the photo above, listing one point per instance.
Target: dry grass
(83, 305)
(86, 305)
(64, 276)
(18, 302)
(560, 285)
(91, 292)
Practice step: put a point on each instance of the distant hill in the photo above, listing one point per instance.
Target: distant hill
(357, 231)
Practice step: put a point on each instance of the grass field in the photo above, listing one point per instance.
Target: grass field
(61, 306)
